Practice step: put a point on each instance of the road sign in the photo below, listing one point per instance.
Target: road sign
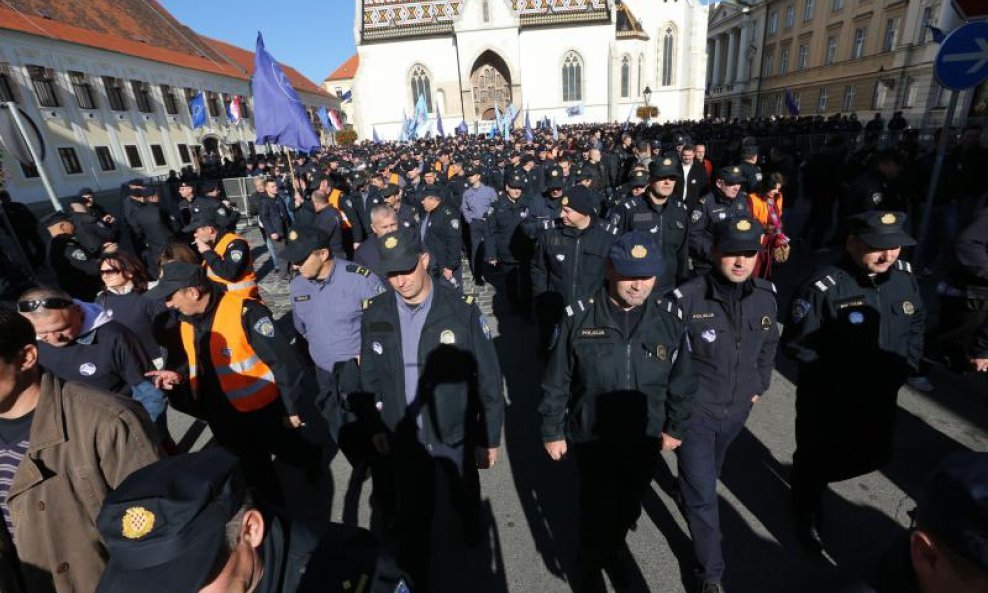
(962, 61)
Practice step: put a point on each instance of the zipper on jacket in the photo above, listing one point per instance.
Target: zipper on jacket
(627, 365)
(576, 268)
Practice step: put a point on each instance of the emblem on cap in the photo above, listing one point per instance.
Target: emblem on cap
(390, 243)
(292, 235)
(735, 170)
(667, 162)
(554, 173)
(565, 200)
(743, 225)
(447, 337)
(137, 522)
(888, 218)
(639, 252)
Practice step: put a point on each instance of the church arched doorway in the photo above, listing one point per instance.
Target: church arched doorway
(490, 80)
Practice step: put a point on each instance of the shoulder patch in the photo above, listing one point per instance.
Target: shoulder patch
(467, 298)
(767, 285)
(265, 327)
(79, 255)
(355, 269)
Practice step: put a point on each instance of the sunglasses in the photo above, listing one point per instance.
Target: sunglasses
(49, 303)
(109, 272)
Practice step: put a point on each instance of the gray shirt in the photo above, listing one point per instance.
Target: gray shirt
(476, 202)
(411, 320)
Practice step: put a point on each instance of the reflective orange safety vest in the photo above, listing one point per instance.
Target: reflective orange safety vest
(244, 378)
(246, 285)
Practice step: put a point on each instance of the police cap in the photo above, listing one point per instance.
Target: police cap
(738, 235)
(86, 191)
(209, 186)
(400, 251)
(55, 218)
(880, 230)
(164, 526)
(516, 180)
(579, 198)
(187, 183)
(635, 254)
(638, 178)
(731, 174)
(955, 506)
(663, 167)
(430, 191)
(175, 276)
(136, 182)
(749, 150)
(302, 241)
(554, 178)
(217, 219)
(583, 174)
(389, 190)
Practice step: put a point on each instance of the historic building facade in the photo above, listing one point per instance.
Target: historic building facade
(569, 60)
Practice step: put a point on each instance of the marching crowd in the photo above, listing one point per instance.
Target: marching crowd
(643, 256)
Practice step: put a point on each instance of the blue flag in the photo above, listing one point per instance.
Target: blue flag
(324, 118)
(497, 121)
(439, 125)
(463, 128)
(555, 132)
(377, 139)
(279, 117)
(197, 110)
(529, 134)
(791, 105)
(420, 118)
(347, 96)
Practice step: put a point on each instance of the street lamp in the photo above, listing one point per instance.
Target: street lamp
(647, 93)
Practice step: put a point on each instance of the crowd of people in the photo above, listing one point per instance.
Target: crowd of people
(644, 256)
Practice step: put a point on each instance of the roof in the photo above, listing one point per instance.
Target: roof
(628, 26)
(347, 70)
(140, 29)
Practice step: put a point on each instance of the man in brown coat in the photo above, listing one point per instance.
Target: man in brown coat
(63, 447)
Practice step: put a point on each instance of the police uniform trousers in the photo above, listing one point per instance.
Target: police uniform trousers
(700, 459)
(515, 280)
(476, 242)
(614, 475)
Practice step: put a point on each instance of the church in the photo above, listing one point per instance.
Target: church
(572, 61)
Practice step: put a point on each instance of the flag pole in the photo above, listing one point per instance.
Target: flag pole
(291, 169)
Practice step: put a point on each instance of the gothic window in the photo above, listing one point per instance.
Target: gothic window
(572, 77)
(641, 73)
(421, 86)
(625, 77)
(668, 47)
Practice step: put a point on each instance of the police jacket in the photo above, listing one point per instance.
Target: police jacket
(233, 263)
(442, 238)
(712, 208)
(752, 178)
(603, 383)
(506, 239)
(154, 225)
(76, 268)
(732, 341)
(91, 232)
(668, 224)
(871, 191)
(570, 262)
(357, 206)
(368, 255)
(328, 220)
(969, 269)
(852, 331)
(459, 396)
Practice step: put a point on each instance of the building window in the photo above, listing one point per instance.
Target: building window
(625, 77)
(804, 51)
(924, 25)
(857, 50)
(105, 159)
(938, 99)
(43, 81)
(29, 171)
(133, 156)
(251, 149)
(909, 94)
(115, 93)
(168, 96)
(668, 47)
(213, 104)
(70, 161)
(158, 155)
(487, 11)
(838, 5)
(572, 77)
(879, 95)
(848, 104)
(821, 102)
(831, 54)
(142, 94)
(778, 104)
(773, 22)
(808, 6)
(767, 64)
(797, 99)
(890, 27)
(83, 91)
(6, 85)
(183, 154)
(421, 87)
(790, 15)
(784, 61)
(641, 74)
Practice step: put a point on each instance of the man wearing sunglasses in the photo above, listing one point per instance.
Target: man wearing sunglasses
(76, 267)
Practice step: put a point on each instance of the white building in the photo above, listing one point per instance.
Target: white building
(107, 82)
(340, 82)
(594, 57)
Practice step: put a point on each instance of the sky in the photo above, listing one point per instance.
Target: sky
(313, 36)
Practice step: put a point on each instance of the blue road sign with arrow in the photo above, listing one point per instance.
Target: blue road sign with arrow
(962, 61)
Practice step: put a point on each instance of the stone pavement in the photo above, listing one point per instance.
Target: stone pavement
(530, 502)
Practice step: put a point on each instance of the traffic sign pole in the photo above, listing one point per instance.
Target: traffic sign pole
(924, 228)
(15, 113)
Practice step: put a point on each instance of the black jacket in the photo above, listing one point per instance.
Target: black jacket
(369, 256)
(154, 226)
(691, 187)
(443, 238)
(969, 265)
(733, 338)
(506, 238)
(273, 215)
(711, 209)
(602, 384)
(668, 225)
(459, 394)
(232, 264)
(76, 268)
(570, 263)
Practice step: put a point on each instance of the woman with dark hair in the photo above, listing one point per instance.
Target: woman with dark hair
(766, 207)
(178, 251)
(125, 281)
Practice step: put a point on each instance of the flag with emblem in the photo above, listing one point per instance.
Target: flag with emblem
(197, 110)
(529, 134)
(791, 105)
(439, 125)
(279, 116)
(233, 111)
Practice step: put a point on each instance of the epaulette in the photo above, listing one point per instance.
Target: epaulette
(824, 283)
(355, 269)
(364, 304)
(579, 305)
(611, 229)
(468, 298)
(627, 204)
(669, 307)
(904, 266)
(681, 204)
(548, 225)
(766, 284)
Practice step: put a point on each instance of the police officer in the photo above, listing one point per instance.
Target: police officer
(326, 298)
(856, 329)
(632, 191)
(93, 227)
(244, 377)
(440, 233)
(617, 389)
(384, 220)
(76, 268)
(569, 259)
(426, 354)
(327, 219)
(227, 255)
(877, 188)
(407, 216)
(659, 212)
(750, 170)
(731, 322)
(357, 205)
(724, 202)
(509, 243)
(546, 206)
(155, 228)
(477, 200)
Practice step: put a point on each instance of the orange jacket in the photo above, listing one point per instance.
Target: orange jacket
(247, 284)
(759, 208)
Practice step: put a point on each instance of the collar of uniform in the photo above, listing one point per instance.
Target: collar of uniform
(719, 197)
(274, 550)
(215, 294)
(861, 275)
(717, 287)
(325, 282)
(426, 304)
(602, 311)
(572, 231)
